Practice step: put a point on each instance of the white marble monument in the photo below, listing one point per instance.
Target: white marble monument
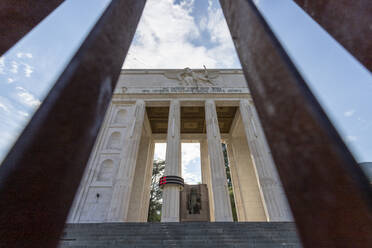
(174, 106)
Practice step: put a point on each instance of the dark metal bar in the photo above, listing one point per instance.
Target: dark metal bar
(18, 17)
(40, 175)
(349, 22)
(329, 195)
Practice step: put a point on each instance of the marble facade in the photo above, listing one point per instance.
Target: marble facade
(174, 106)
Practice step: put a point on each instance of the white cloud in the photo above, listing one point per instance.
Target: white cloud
(351, 138)
(6, 139)
(217, 28)
(28, 70)
(22, 113)
(2, 65)
(4, 107)
(160, 150)
(210, 4)
(191, 178)
(349, 113)
(27, 98)
(10, 80)
(165, 34)
(191, 171)
(24, 55)
(14, 68)
(190, 151)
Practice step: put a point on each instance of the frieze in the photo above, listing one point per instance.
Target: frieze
(185, 90)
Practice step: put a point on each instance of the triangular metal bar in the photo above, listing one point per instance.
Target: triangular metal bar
(328, 193)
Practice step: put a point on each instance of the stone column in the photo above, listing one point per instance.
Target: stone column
(206, 174)
(170, 211)
(124, 177)
(275, 200)
(221, 199)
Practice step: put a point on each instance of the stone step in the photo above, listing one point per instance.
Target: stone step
(178, 245)
(217, 234)
(201, 232)
(189, 239)
(196, 231)
(192, 230)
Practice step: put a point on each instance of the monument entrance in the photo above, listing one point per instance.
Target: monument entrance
(174, 106)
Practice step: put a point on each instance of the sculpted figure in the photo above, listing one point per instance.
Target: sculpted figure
(206, 77)
(194, 202)
(189, 77)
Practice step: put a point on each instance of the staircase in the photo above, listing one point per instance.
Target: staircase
(186, 234)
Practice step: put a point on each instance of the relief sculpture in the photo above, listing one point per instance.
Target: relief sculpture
(194, 201)
(189, 77)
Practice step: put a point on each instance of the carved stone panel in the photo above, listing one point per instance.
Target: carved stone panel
(194, 205)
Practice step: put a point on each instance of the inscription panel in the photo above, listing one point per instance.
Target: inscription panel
(184, 90)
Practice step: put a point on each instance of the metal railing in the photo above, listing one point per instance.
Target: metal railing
(329, 195)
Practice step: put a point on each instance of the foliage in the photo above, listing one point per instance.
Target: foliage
(154, 214)
(233, 207)
(229, 182)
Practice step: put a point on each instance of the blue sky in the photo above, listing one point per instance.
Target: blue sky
(191, 167)
(29, 69)
(341, 84)
(186, 33)
(182, 34)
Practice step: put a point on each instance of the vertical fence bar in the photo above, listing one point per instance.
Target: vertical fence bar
(349, 22)
(329, 195)
(18, 17)
(41, 173)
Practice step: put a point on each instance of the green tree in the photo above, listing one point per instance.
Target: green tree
(154, 214)
(229, 182)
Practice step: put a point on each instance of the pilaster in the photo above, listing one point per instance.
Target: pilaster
(140, 193)
(125, 173)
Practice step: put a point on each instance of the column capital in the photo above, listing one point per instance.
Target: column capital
(173, 103)
(209, 102)
(244, 103)
(139, 104)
